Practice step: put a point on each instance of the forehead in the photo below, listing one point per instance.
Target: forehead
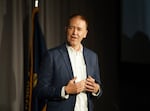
(77, 21)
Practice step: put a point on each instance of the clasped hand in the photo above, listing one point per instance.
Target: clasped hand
(89, 85)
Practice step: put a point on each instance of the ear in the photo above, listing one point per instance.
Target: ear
(85, 34)
(84, 37)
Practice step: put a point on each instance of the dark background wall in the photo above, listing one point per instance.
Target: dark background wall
(104, 39)
(135, 55)
(106, 43)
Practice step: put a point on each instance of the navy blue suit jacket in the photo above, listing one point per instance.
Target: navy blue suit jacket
(56, 71)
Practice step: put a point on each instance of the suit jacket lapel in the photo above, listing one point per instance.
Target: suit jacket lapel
(67, 62)
(86, 58)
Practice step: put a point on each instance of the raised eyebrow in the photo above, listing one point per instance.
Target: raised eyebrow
(79, 28)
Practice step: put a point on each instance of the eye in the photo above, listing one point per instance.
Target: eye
(70, 27)
(79, 29)
(74, 28)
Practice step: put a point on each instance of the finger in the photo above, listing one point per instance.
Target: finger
(90, 79)
(89, 88)
(90, 83)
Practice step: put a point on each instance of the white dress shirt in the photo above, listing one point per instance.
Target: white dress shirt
(79, 71)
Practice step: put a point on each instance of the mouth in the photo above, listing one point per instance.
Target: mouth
(73, 38)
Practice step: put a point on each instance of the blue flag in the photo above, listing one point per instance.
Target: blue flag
(36, 50)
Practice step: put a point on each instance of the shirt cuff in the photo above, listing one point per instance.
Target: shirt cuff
(63, 94)
(96, 94)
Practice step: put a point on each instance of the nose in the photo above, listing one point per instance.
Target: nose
(75, 31)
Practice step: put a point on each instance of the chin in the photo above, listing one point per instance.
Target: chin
(72, 43)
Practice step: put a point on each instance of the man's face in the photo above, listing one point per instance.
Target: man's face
(76, 31)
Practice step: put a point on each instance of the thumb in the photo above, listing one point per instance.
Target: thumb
(73, 80)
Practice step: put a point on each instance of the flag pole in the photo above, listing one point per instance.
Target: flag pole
(35, 10)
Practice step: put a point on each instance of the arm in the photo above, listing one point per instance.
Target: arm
(45, 87)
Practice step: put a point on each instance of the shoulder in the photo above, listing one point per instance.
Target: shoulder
(56, 48)
(90, 54)
(89, 51)
(56, 51)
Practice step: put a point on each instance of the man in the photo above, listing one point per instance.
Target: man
(69, 76)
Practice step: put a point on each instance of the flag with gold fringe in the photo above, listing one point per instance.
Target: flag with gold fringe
(36, 50)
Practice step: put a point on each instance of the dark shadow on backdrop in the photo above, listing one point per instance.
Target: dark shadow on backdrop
(136, 49)
(134, 72)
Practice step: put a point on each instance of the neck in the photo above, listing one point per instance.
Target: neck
(76, 47)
